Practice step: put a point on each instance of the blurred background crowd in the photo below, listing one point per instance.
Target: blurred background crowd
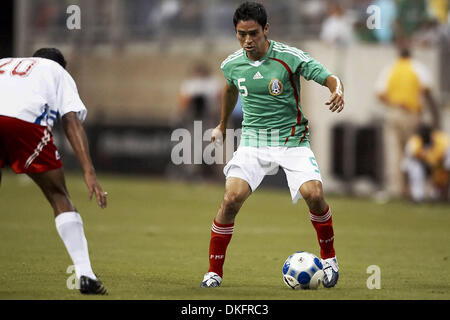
(343, 21)
(144, 68)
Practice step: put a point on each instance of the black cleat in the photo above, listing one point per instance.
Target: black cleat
(91, 286)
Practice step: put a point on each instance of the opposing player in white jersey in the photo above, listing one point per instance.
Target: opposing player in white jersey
(34, 92)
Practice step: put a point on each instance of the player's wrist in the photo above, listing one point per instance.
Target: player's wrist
(338, 85)
(89, 171)
(222, 125)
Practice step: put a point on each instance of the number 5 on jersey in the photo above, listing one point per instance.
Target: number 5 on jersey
(241, 87)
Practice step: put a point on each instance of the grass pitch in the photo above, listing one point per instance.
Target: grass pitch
(152, 243)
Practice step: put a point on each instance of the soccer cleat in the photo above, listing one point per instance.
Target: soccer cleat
(211, 280)
(91, 286)
(331, 272)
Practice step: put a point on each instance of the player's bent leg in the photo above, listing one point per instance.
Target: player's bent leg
(70, 228)
(53, 185)
(236, 192)
(416, 177)
(312, 192)
(320, 215)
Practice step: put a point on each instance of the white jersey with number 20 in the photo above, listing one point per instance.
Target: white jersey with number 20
(37, 90)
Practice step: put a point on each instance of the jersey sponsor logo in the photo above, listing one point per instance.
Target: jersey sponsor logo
(275, 87)
(257, 76)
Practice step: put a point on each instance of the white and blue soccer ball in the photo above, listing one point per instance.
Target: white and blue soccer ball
(302, 270)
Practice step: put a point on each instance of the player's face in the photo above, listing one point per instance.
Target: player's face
(253, 38)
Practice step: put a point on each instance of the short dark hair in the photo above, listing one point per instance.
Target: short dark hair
(405, 52)
(52, 54)
(250, 11)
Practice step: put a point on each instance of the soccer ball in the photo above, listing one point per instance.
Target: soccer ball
(302, 270)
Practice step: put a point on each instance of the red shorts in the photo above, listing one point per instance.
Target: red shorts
(27, 147)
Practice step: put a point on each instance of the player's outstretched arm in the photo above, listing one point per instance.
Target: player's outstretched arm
(229, 99)
(77, 138)
(336, 101)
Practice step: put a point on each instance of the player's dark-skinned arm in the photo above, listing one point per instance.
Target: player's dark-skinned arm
(229, 98)
(336, 101)
(76, 135)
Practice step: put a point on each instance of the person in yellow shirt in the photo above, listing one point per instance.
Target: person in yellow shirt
(405, 88)
(427, 157)
(439, 10)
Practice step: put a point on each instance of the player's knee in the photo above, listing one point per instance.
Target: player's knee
(314, 197)
(232, 202)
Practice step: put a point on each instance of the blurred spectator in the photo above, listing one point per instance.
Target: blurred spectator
(362, 17)
(140, 15)
(438, 9)
(337, 28)
(280, 18)
(165, 11)
(199, 100)
(49, 20)
(308, 16)
(189, 18)
(410, 17)
(433, 25)
(427, 157)
(388, 14)
(199, 95)
(159, 20)
(312, 11)
(402, 86)
(45, 15)
(429, 34)
(217, 19)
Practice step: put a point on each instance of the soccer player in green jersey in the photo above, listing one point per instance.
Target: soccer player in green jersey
(275, 133)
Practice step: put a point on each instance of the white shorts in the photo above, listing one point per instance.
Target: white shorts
(252, 164)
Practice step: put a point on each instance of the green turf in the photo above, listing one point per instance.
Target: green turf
(152, 243)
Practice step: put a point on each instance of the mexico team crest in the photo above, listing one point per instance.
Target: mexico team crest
(275, 87)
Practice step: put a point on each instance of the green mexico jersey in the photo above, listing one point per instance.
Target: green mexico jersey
(270, 94)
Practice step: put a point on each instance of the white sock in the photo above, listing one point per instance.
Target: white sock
(417, 179)
(70, 229)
